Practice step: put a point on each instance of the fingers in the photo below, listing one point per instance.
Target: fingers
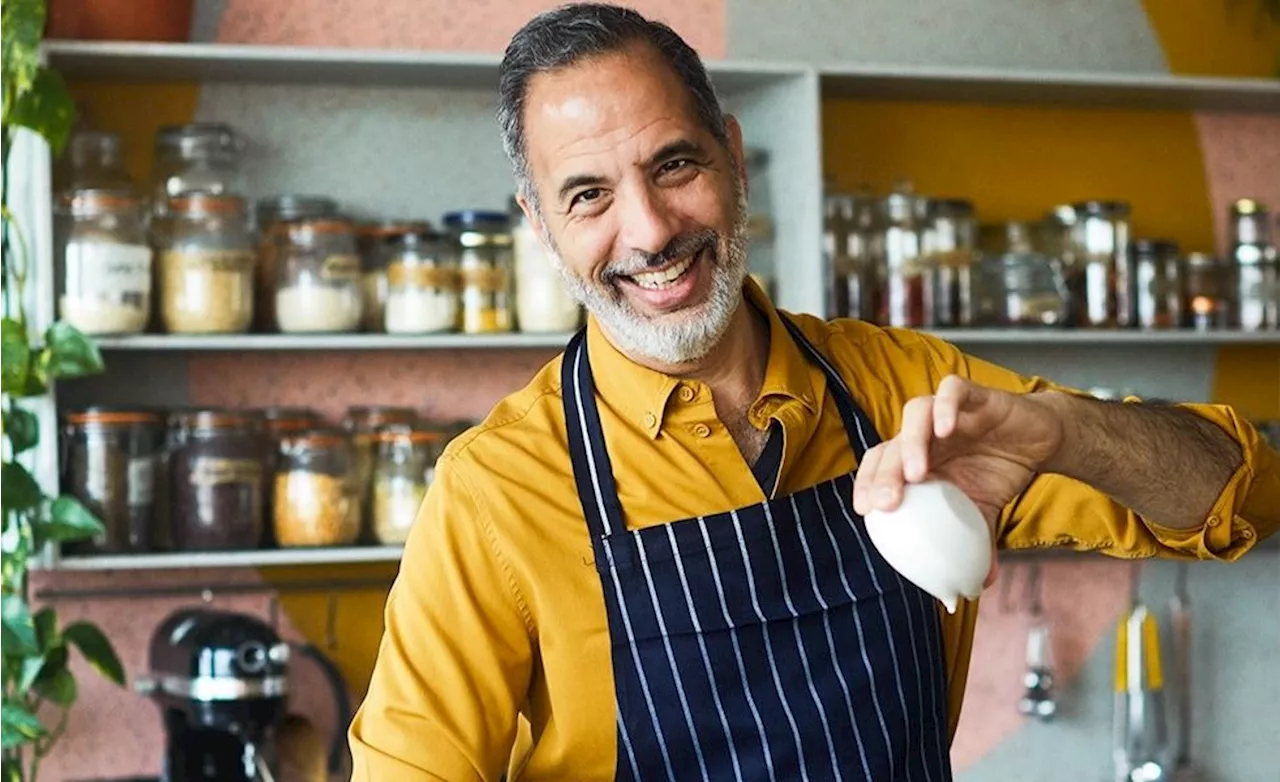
(864, 480)
(915, 438)
(951, 395)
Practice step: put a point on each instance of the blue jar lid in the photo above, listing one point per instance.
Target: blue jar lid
(473, 218)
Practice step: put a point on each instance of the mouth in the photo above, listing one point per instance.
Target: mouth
(666, 276)
(672, 286)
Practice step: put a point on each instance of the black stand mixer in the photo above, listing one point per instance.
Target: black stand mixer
(221, 681)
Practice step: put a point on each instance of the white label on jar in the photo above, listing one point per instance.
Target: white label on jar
(108, 273)
(142, 480)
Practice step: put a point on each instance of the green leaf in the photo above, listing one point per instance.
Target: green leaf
(47, 108)
(59, 687)
(96, 649)
(46, 622)
(31, 667)
(71, 353)
(70, 520)
(16, 356)
(23, 29)
(22, 428)
(19, 630)
(18, 490)
(20, 725)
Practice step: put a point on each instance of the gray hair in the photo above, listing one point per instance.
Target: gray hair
(567, 35)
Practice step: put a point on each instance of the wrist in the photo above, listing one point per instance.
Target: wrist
(1063, 418)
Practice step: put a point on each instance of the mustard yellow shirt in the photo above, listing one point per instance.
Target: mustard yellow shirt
(496, 652)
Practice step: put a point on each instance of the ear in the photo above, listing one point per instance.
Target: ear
(733, 129)
(536, 222)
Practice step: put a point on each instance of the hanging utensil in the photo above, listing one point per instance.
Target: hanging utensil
(1140, 742)
(1180, 622)
(1037, 697)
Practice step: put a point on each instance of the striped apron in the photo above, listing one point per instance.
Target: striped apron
(768, 642)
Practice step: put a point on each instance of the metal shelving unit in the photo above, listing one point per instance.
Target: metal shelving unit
(227, 559)
(303, 342)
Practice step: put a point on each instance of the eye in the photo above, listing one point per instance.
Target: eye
(586, 197)
(672, 166)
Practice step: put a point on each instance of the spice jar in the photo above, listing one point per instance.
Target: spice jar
(217, 478)
(543, 303)
(201, 157)
(1101, 285)
(485, 261)
(318, 277)
(1255, 300)
(94, 160)
(206, 267)
(404, 470)
(106, 262)
(270, 212)
(422, 285)
(1014, 285)
(317, 502)
(279, 422)
(1206, 306)
(363, 424)
(948, 243)
(907, 289)
(1158, 283)
(110, 462)
(375, 242)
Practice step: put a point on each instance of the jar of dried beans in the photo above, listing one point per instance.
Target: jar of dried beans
(485, 267)
(317, 501)
(206, 266)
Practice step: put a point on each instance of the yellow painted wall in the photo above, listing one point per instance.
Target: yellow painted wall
(136, 111)
(1216, 37)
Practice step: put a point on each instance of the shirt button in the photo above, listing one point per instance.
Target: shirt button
(1247, 534)
(701, 430)
(1213, 521)
(687, 394)
(650, 420)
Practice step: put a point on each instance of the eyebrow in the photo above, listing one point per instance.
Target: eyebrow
(679, 148)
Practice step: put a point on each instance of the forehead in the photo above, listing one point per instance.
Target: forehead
(626, 99)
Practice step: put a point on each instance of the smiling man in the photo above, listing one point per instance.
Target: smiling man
(650, 563)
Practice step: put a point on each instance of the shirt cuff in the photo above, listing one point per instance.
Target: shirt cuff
(1225, 536)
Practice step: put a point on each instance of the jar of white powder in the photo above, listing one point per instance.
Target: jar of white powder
(106, 263)
(422, 285)
(318, 277)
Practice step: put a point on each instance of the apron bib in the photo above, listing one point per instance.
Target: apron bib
(767, 642)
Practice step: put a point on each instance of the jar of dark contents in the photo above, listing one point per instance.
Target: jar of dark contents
(106, 262)
(422, 285)
(1254, 293)
(1206, 306)
(111, 460)
(1101, 285)
(217, 478)
(376, 243)
(317, 501)
(485, 263)
(318, 277)
(1158, 283)
(205, 269)
(363, 423)
(201, 157)
(1015, 285)
(907, 290)
(279, 422)
(949, 242)
(404, 470)
(269, 213)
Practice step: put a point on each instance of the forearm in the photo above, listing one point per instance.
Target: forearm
(1165, 463)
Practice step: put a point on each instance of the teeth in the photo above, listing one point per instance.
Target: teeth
(664, 278)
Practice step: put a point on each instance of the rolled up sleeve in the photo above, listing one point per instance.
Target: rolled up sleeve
(454, 664)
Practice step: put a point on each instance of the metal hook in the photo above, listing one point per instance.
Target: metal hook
(331, 623)
(1035, 605)
(273, 612)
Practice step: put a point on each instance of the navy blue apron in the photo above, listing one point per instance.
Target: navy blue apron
(768, 642)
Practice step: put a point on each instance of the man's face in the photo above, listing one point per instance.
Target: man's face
(644, 211)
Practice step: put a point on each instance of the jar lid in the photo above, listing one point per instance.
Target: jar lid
(91, 200)
(93, 146)
(385, 229)
(204, 419)
(199, 138)
(110, 416)
(1102, 208)
(950, 207)
(207, 203)
(322, 437)
(367, 418)
(1154, 247)
(289, 207)
(1200, 260)
(1248, 206)
(1062, 214)
(476, 219)
(304, 227)
(413, 434)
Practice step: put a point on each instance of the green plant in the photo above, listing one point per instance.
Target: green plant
(39, 687)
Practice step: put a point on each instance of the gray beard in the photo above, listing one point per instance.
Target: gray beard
(679, 337)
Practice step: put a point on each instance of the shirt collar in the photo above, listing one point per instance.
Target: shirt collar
(641, 395)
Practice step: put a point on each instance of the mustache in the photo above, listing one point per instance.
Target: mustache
(682, 246)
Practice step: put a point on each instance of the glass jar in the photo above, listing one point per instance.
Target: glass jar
(105, 262)
(422, 285)
(906, 292)
(110, 461)
(849, 240)
(376, 242)
(404, 471)
(1158, 283)
(949, 243)
(317, 501)
(363, 424)
(269, 213)
(94, 160)
(277, 423)
(206, 267)
(1015, 286)
(485, 261)
(1102, 284)
(201, 157)
(543, 303)
(217, 479)
(1207, 306)
(1255, 300)
(761, 262)
(318, 276)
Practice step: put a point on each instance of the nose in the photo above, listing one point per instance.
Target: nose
(648, 222)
